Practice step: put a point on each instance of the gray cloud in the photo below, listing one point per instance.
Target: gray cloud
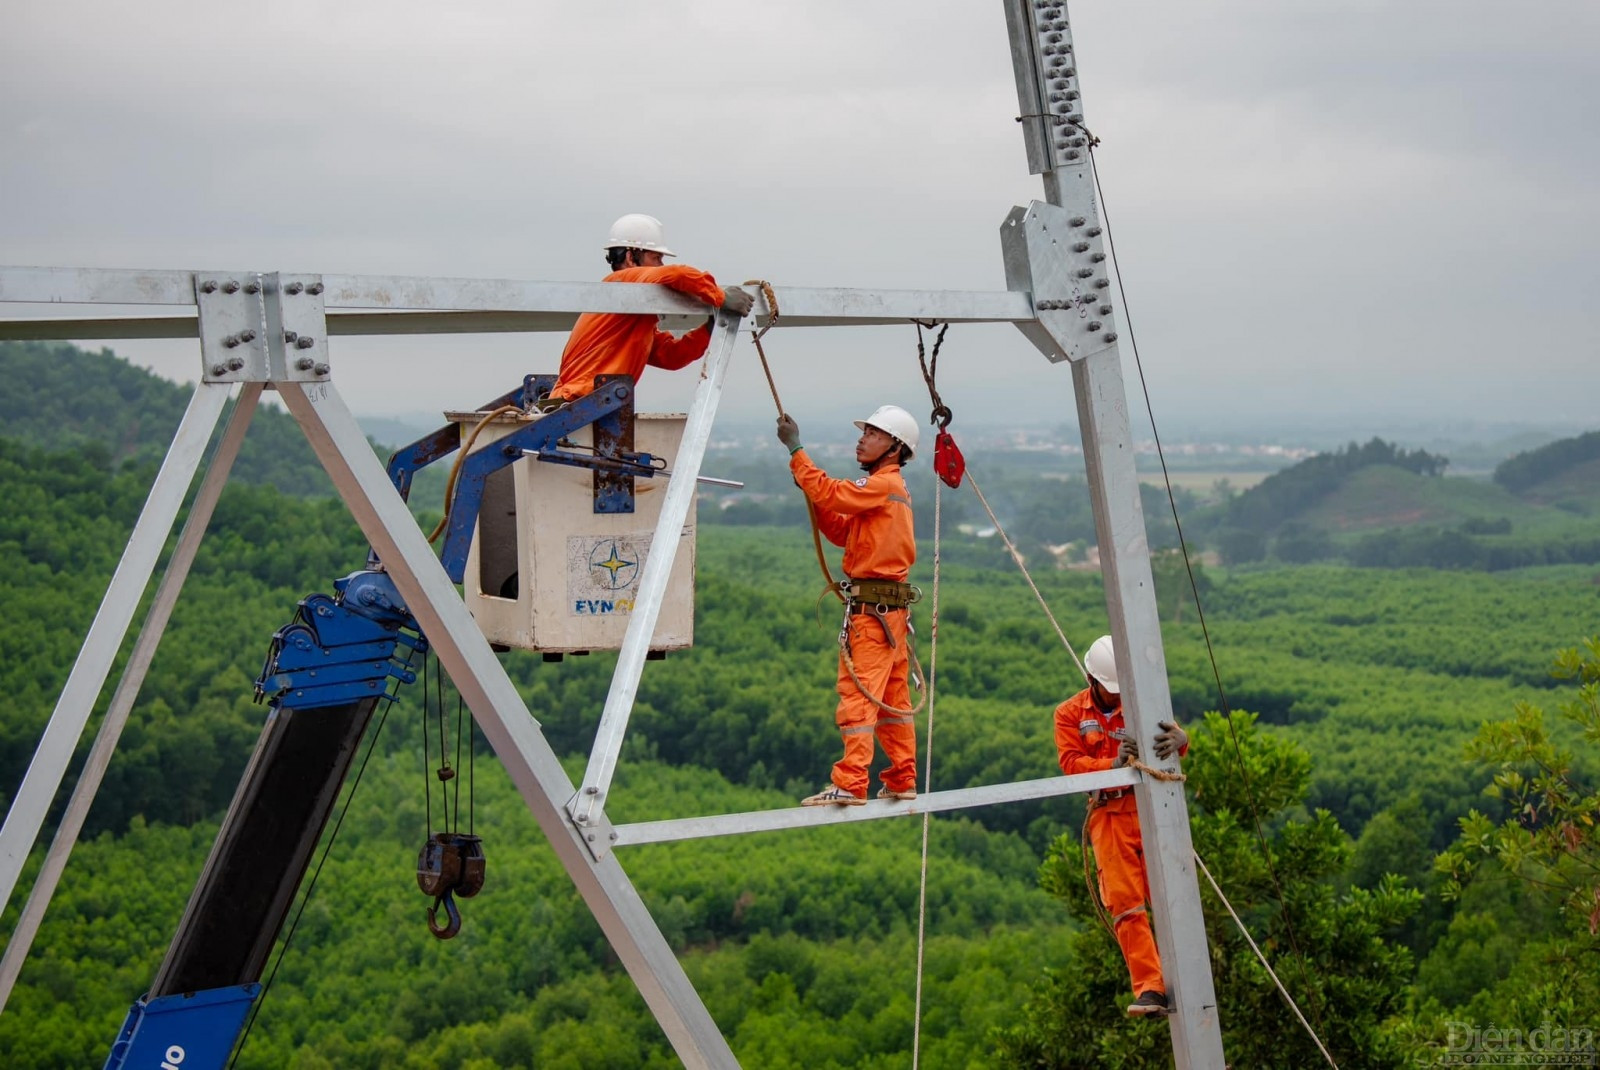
(1317, 206)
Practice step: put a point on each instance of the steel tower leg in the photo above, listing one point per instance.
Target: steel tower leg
(501, 713)
(1142, 670)
(105, 636)
(590, 803)
(144, 650)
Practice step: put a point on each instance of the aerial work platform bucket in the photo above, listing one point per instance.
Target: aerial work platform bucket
(548, 573)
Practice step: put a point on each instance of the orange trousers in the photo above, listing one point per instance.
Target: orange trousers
(883, 671)
(1125, 890)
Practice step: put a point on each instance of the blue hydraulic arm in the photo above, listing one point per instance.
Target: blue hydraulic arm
(326, 672)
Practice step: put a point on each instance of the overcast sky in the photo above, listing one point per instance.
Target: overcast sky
(1320, 209)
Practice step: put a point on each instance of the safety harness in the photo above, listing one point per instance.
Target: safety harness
(877, 599)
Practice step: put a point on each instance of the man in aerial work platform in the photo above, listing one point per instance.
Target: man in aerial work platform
(619, 343)
(871, 518)
(1090, 737)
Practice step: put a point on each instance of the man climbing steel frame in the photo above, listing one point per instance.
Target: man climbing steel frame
(1090, 736)
(871, 518)
(618, 343)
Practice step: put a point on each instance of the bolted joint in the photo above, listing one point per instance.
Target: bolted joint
(235, 364)
(232, 341)
(209, 286)
(304, 341)
(247, 336)
(290, 336)
(322, 369)
(230, 287)
(294, 287)
(219, 369)
(304, 364)
(252, 287)
(314, 289)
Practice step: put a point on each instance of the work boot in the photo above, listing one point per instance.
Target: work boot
(886, 792)
(833, 795)
(1149, 1003)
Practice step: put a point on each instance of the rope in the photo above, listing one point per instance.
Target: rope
(1022, 565)
(927, 774)
(772, 385)
(1157, 774)
(1264, 963)
(930, 369)
(911, 655)
(1090, 872)
(455, 467)
(772, 321)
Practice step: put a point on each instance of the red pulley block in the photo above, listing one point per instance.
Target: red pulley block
(948, 464)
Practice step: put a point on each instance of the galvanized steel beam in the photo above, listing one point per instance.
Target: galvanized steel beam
(589, 804)
(133, 674)
(105, 636)
(528, 758)
(692, 828)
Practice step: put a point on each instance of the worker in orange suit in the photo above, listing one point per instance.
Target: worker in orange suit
(871, 518)
(1090, 736)
(621, 343)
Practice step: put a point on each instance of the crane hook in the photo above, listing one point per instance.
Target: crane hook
(449, 903)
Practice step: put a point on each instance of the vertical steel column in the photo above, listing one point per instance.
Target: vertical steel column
(586, 807)
(144, 649)
(1142, 671)
(105, 636)
(1055, 252)
(504, 718)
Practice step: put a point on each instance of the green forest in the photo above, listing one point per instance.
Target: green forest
(1393, 775)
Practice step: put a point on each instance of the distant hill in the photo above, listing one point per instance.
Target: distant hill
(1285, 496)
(60, 397)
(1565, 470)
(1379, 505)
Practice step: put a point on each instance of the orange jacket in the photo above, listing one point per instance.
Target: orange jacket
(870, 517)
(621, 343)
(1084, 743)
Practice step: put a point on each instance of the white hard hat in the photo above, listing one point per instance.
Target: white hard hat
(635, 231)
(1101, 663)
(893, 420)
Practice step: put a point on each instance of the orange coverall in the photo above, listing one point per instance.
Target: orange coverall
(622, 343)
(1084, 744)
(871, 518)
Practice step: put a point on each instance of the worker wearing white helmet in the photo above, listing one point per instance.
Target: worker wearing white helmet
(1091, 736)
(617, 343)
(871, 518)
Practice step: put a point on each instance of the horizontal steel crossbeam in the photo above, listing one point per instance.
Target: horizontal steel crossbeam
(693, 828)
(384, 305)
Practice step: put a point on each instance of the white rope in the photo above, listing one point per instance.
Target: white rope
(927, 772)
(1001, 531)
(1284, 992)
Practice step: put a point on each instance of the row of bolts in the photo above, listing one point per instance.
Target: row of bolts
(233, 341)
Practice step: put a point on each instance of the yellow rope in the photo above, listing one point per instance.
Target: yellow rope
(455, 467)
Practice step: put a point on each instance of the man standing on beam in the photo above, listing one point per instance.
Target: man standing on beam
(871, 518)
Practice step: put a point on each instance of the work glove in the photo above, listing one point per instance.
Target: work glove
(1127, 751)
(737, 301)
(1171, 740)
(788, 432)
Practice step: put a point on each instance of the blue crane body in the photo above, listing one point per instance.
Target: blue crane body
(326, 673)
